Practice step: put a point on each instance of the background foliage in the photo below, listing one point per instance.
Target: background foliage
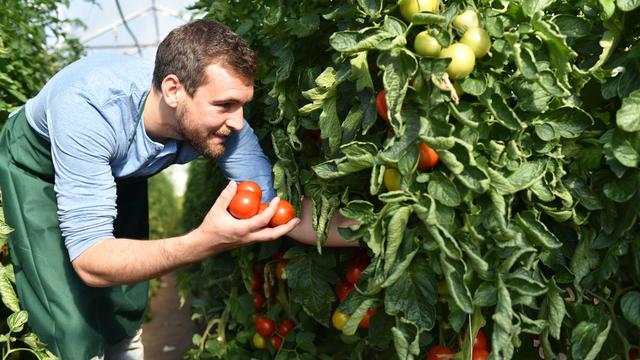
(529, 222)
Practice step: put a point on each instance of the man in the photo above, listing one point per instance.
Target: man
(73, 167)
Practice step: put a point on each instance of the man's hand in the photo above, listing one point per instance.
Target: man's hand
(221, 231)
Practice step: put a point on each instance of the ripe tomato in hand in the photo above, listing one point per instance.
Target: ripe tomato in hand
(381, 106)
(364, 323)
(263, 206)
(283, 215)
(276, 342)
(244, 205)
(265, 326)
(343, 290)
(354, 272)
(440, 352)
(250, 186)
(259, 342)
(480, 354)
(428, 158)
(339, 319)
(285, 327)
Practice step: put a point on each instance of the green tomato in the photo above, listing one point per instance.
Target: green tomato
(466, 20)
(426, 45)
(391, 179)
(259, 342)
(410, 7)
(463, 60)
(339, 319)
(478, 40)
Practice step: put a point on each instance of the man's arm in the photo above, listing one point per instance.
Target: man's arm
(304, 232)
(121, 261)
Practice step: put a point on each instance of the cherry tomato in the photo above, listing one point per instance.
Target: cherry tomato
(463, 60)
(265, 326)
(426, 45)
(263, 206)
(258, 300)
(284, 213)
(381, 106)
(244, 205)
(339, 319)
(633, 354)
(259, 342)
(280, 266)
(343, 290)
(410, 7)
(440, 352)
(257, 282)
(354, 272)
(276, 342)
(466, 20)
(428, 158)
(480, 354)
(250, 186)
(481, 342)
(478, 40)
(391, 179)
(285, 327)
(364, 323)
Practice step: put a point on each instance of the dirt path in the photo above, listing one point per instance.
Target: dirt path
(168, 335)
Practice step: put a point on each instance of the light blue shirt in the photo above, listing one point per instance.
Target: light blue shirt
(88, 113)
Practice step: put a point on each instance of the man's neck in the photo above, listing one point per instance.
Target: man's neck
(159, 119)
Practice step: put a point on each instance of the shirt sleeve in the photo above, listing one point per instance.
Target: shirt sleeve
(244, 159)
(82, 147)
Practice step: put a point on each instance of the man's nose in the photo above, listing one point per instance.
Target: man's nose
(236, 120)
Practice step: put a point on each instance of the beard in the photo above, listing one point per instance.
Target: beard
(202, 140)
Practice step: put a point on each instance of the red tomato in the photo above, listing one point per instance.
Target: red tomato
(284, 213)
(259, 342)
(481, 341)
(354, 272)
(257, 282)
(265, 326)
(250, 186)
(480, 354)
(280, 274)
(428, 158)
(263, 206)
(258, 300)
(276, 342)
(343, 290)
(633, 354)
(364, 323)
(381, 106)
(440, 352)
(244, 205)
(285, 327)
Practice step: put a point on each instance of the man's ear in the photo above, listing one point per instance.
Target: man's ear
(171, 89)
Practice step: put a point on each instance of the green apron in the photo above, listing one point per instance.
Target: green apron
(74, 320)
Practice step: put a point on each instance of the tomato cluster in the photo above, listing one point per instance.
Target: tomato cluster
(267, 331)
(352, 275)
(480, 349)
(246, 204)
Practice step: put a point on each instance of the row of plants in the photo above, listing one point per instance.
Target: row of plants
(489, 152)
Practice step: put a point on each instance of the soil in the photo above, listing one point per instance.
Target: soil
(167, 336)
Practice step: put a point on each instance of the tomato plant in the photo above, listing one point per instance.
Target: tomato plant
(529, 220)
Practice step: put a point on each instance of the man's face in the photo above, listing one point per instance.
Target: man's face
(215, 110)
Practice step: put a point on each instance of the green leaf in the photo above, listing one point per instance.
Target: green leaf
(372, 38)
(501, 345)
(8, 294)
(395, 236)
(360, 71)
(567, 121)
(532, 7)
(622, 190)
(17, 320)
(553, 309)
(587, 340)
(444, 190)
(627, 117)
(413, 296)
(537, 231)
(371, 7)
(309, 281)
(630, 305)
(454, 271)
(400, 343)
(503, 114)
(425, 18)
(526, 175)
(628, 5)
